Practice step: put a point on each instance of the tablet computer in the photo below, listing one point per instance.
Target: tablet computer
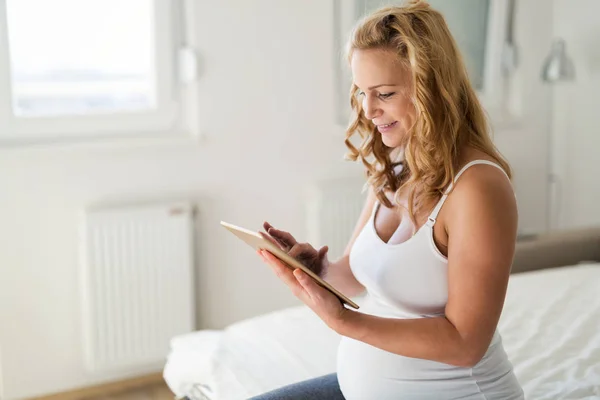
(256, 241)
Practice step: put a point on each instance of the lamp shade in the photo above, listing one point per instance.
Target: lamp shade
(558, 66)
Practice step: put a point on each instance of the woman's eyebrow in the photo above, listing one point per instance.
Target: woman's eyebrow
(383, 84)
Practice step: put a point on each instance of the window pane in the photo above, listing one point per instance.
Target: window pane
(467, 20)
(74, 57)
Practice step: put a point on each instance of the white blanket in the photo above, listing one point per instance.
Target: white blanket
(550, 328)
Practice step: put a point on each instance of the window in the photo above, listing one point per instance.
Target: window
(480, 30)
(73, 68)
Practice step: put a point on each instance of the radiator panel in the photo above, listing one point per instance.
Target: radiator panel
(333, 211)
(137, 282)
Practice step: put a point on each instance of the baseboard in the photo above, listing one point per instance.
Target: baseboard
(106, 388)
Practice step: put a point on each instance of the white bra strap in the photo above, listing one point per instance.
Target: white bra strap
(433, 216)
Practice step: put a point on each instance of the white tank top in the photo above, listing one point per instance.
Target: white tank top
(410, 280)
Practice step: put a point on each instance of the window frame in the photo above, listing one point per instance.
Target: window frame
(164, 120)
(494, 95)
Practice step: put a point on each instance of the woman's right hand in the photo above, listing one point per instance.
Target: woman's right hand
(315, 260)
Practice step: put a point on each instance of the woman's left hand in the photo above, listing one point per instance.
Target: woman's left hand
(326, 305)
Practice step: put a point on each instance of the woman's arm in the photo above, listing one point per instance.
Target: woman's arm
(481, 222)
(338, 272)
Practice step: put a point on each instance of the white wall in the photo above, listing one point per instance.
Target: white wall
(267, 109)
(576, 118)
(524, 139)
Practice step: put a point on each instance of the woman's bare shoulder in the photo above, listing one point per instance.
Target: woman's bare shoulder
(480, 175)
(481, 189)
(482, 195)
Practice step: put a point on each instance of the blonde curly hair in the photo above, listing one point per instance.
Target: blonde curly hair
(449, 115)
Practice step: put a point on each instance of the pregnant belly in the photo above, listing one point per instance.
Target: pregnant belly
(366, 372)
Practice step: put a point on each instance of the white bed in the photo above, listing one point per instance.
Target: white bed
(550, 328)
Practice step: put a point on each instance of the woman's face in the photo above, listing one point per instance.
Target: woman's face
(384, 90)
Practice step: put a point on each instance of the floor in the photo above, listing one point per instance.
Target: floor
(157, 391)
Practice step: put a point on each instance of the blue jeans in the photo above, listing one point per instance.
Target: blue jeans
(322, 388)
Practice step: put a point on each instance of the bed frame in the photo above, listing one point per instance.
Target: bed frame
(557, 249)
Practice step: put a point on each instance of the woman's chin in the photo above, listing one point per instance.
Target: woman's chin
(391, 140)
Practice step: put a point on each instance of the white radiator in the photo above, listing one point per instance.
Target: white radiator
(137, 282)
(333, 210)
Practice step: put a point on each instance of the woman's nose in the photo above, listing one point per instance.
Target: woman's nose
(370, 109)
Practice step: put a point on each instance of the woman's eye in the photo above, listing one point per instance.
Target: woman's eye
(386, 95)
(360, 94)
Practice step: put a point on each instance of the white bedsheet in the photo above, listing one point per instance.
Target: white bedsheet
(253, 356)
(550, 328)
(551, 332)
